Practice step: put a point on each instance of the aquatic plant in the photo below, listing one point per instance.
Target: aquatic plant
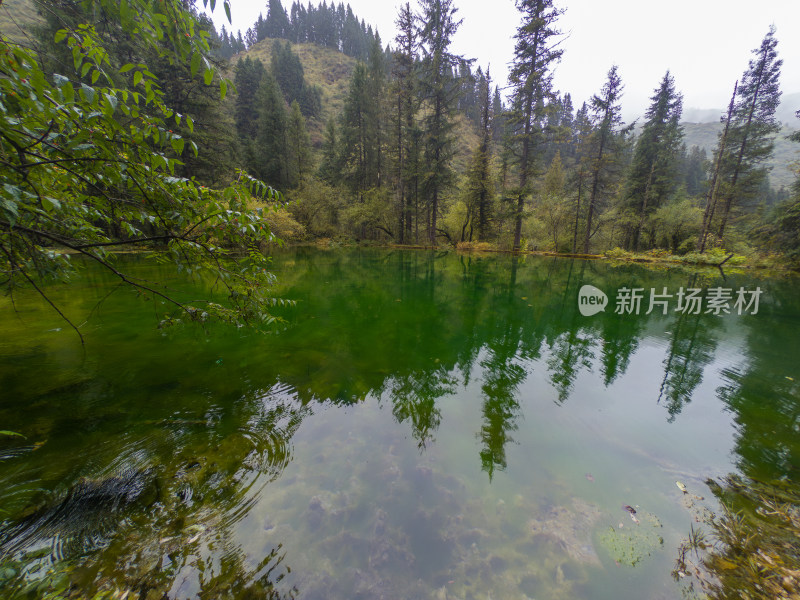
(751, 549)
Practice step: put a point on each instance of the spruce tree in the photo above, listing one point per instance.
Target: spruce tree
(270, 157)
(606, 146)
(298, 148)
(535, 55)
(404, 110)
(354, 133)
(751, 138)
(439, 25)
(652, 176)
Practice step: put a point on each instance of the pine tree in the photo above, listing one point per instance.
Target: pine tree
(404, 92)
(270, 158)
(437, 31)
(376, 87)
(652, 177)
(753, 127)
(535, 54)
(330, 168)
(248, 74)
(582, 131)
(606, 146)
(277, 22)
(480, 185)
(694, 171)
(354, 142)
(298, 157)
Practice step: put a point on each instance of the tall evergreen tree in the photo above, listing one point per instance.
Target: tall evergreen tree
(606, 146)
(404, 92)
(582, 132)
(652, 177)
(694, 170)
(277, 22)
(248, 74)
(438, 28)
(480, 185)
(753, 127)
(270, 159)
(376, 89)
(535, 55)
(354, 136)
(298, 147)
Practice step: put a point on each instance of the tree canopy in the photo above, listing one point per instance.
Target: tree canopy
(91, 156)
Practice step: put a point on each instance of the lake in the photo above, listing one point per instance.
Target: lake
(419, 425)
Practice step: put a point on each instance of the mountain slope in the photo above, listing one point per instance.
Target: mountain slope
(326, 68)
(782, 171)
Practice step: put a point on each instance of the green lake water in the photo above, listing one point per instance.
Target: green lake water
(421, 425)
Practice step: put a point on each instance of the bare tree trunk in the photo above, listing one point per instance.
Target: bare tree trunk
(711, 198)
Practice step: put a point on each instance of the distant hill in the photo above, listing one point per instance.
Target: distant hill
(324, 67)
(331, 71)
(786, 152)
(17, 18)
(786, 113)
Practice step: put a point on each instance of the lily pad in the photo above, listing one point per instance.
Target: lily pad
(630, 544)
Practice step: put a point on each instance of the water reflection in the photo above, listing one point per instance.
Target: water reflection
(169, 448)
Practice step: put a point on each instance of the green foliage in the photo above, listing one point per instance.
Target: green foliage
(270, 142)
(91, 160)
(652, 175)
(298, 146)
(287, 69)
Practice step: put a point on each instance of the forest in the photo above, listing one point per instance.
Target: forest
(404, 143)
(425, 149)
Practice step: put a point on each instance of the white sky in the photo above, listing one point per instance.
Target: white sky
(706, 44)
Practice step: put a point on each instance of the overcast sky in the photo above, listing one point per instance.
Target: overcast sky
(706, 44)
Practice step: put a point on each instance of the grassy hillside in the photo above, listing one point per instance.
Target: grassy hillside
(786, 152)
(17, 17)
(328, 69)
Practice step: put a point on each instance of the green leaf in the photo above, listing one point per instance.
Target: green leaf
(137, 78)
(177, 144)
(194, 66)
(50, 204)
(126, 68)
(60, 35)
(190, 123)
(95, 76)
(223, 89)
(11, 433)
(227, 6)
(208, 76)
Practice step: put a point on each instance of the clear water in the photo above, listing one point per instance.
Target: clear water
(423, 425)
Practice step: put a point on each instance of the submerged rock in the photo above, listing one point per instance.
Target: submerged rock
(572, 528)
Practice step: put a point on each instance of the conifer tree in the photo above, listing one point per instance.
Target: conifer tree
(480, 185)
(606, 146)
(751, 138)
(404, 92)
(652, 177)
(330, 168)
(270, 156)
(248, 74)
(582, 131)
(298, 157)
(354, 142)
(438, 28)
(535, 55)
